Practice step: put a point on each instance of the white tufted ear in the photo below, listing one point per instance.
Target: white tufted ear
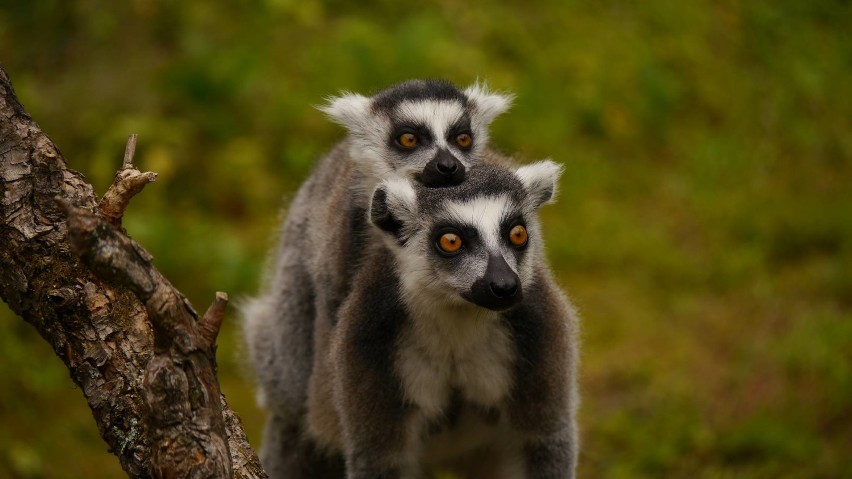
(540, 179)
(489, 105)
(349, 110)
(393, 205)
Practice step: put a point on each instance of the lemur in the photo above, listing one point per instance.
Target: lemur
(454, 348)
(430, 131)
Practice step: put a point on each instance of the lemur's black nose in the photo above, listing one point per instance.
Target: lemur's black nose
(499, 289)
(505, 287)
(443, 170)
(446, 166)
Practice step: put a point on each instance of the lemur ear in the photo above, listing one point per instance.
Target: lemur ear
(540, 180)
(489, 105)
(349, 110)
(393, 205)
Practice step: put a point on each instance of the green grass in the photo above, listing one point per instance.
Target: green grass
(703, 227)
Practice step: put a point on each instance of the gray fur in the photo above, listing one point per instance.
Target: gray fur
(412, 376)
(323, 245)
(421, 378)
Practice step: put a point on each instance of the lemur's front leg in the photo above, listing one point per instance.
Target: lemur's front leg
(374, 420)
(552, 456)
(377, 438)
(377, 443)
(544, 399)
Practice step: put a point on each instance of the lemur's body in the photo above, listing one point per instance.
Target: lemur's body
(489, 395)
(462, 360)
(320, 249)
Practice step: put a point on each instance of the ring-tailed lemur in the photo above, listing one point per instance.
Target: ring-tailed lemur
(427, 130)
(455, 348)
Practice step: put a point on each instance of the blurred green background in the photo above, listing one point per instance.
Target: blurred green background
(704, 227)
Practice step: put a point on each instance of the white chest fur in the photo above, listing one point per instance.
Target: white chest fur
(466, 349)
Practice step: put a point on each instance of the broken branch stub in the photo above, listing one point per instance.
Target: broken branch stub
(128, 182)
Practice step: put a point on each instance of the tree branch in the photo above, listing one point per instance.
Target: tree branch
(128, 182)
(211, 322)
(131, 341)
(181, 389)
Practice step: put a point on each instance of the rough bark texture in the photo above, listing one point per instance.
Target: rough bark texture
(131, 342)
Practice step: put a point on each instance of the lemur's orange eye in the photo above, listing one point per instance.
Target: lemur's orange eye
(518, 235)
(407, 140)
(463, 140)
(450, 242)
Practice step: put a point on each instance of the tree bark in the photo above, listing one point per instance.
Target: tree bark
(132, 343)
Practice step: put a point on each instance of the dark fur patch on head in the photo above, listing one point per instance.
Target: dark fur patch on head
(413, 90)
(481, 180)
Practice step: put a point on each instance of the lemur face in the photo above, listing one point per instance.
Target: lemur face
(427, 130)
(477, 242)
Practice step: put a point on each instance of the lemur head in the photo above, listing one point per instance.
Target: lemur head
(424, 129)
(477, 242)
